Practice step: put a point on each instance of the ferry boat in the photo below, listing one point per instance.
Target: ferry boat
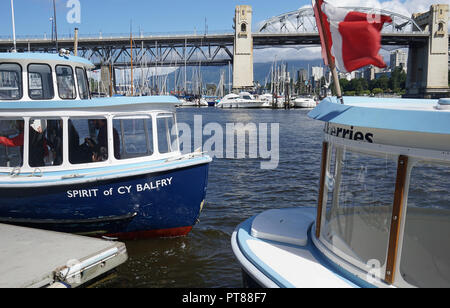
(383, 213)
(243, 100)
(101, 167)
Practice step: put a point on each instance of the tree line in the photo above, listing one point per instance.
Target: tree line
(395, 84)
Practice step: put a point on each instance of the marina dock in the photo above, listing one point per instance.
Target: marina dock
(31, 258)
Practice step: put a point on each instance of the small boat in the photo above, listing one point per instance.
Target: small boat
(383, 212)
(277, 102)
(211, 100)
(243, 100)
(197, 102)
(304, 102)
(102, 167)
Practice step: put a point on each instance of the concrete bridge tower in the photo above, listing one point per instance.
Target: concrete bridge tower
(428, 64)
(243, 49)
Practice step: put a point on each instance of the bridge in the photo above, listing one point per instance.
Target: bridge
(297, 28)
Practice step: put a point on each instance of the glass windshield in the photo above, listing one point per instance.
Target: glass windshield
(166, 126)
(359, 192)
(136, 137)
(66, 82)
(10, 81)
(425, 259)
(11, 142)
(83, 87)
(40, 81)
(45, 142)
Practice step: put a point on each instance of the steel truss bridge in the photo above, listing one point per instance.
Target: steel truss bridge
(287, 30)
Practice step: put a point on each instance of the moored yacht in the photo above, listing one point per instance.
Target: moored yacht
(383, 209)
(243, 100)
(103, 167)
(304, 102)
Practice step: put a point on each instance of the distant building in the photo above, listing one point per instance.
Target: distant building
(316, 72)
(370, 72)
(399, 58)
(302, 75)
(348, 76)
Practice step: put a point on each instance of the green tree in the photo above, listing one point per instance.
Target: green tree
(397, 81)
(383, 82)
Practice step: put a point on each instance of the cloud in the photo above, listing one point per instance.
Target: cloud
(287, 53)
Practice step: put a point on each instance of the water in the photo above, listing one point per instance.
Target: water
(237, 190)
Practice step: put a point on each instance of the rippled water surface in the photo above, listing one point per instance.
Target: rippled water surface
(237, 190)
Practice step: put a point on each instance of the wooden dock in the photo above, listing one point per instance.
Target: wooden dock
(31, 258)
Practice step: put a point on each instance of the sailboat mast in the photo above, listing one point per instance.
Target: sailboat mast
(131, 44)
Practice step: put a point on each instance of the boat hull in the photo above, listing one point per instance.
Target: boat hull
(242, 105)
(158, 204)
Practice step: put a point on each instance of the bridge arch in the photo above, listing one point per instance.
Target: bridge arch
(303, 21)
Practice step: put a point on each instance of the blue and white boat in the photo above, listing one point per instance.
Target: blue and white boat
(101, 167)
(383, 213)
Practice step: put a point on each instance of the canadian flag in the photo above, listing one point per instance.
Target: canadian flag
(354, 38)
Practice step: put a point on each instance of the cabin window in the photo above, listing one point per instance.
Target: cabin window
(135, 137)
(88, 140)
(11, 142)
(45, 142)
(40, 81)
(166, 126)
(425, 259)
(359, 189)
(83, 87)
(66, 82)
(10, 81)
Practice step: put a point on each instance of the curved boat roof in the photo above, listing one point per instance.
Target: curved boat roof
(412, 115)
(153, 102)
(44, 57)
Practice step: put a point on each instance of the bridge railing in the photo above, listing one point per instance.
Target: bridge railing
(100, 35)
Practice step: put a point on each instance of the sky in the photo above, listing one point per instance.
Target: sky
(32, 17)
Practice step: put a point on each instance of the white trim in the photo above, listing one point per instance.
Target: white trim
(248, 267)
(343, 263)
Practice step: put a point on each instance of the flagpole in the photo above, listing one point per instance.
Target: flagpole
(331, 63)
(56, 27)
(13, 26)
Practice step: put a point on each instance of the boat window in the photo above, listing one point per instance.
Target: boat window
(10, 81)
(11, 142)
(425, 258)
(45, 142)
(88, 140)
(40, 81)
(135, 137)
(66, 82)
(166, 126)
(360, 193)
(83, 87)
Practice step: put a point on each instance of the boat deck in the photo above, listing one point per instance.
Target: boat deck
(38, 258)
(275, 249)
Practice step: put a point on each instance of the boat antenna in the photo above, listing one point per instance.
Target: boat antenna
(13, 26)
(56, 28)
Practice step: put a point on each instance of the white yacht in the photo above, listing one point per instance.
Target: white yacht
(243, 100)
(304, 102)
